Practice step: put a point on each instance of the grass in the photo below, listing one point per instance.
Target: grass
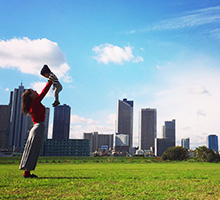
(110, 178)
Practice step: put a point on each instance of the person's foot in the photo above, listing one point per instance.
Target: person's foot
(30, 176)
(56, 103)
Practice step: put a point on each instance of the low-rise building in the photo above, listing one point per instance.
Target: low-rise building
(70, 147)
(161, 145)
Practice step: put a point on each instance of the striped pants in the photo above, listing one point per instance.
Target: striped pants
(32, 147)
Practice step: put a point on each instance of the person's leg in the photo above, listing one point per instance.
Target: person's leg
(57, 88)
(32, 149)
(26, 173)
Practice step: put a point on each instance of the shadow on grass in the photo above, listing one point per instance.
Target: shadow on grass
(64, 177)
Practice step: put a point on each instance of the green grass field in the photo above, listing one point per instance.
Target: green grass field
(110, 178)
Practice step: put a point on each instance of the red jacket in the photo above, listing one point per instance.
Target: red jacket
(36, 107)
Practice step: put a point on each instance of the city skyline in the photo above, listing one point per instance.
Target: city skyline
(124, 123)
(163, 55)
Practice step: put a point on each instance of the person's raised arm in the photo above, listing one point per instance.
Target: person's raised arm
(44, 91)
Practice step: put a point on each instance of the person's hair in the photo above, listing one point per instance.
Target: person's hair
(26, 101)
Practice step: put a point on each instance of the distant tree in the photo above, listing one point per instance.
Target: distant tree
(203, 154)
(175, 153)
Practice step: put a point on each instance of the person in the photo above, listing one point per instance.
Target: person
(31, 105)
(57, 87)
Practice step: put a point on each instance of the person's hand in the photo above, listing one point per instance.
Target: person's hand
(52, 77)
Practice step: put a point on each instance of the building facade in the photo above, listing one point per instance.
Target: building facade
(47, 117)
(61, 122)
(169, 131)
(147, 129)
(70, 147)
(124, 120)
(185, 143)
(18, 122)
(212, 141)
(4, 126)
(122, 140)
(161, 145)
(99, 141)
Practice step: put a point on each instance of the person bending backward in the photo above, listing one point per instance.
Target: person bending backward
(31, 105)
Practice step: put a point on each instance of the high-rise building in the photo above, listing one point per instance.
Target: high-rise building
(169, 131)
(147, 128)
(61, 122)
(18, 121)
(212, 141)
(47, 116)
(99, 141)
(4, 126)
(185, 143)
(124, 121)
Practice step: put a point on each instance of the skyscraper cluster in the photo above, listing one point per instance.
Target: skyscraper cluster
(14, 129)
(15, 126)
(147, 129)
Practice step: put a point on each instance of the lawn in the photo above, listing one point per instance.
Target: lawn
(104, 178)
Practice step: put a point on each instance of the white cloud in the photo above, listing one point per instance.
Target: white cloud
(107, 53)
(187, 91)
(111, 119)
(192, 98)
(80, 125)
(75, 119)
(7, 89)
(198, 89)
(194, 18)
(28, 56)
(191, 19)
(138, 59)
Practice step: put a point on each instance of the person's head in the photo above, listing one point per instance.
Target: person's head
(27, 97)
(45, 71)
(47, 75)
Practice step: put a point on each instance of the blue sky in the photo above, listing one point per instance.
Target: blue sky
(161, 54)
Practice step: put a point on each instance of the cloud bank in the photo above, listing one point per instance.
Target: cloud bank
(28, 56)
(80, 125)
(189, 96)
(108, 53)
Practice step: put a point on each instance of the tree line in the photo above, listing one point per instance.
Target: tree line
(202, 154)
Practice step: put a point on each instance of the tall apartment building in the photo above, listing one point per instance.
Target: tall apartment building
(18, 122)
(169, 131)
(147, 129)
(212, 141)
(4, 126)
(185, 143)
(124, 120)
(47, 117)
(99, 141)
(61, 122)
(168, 139)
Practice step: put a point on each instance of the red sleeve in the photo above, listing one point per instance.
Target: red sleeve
(44, 91)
